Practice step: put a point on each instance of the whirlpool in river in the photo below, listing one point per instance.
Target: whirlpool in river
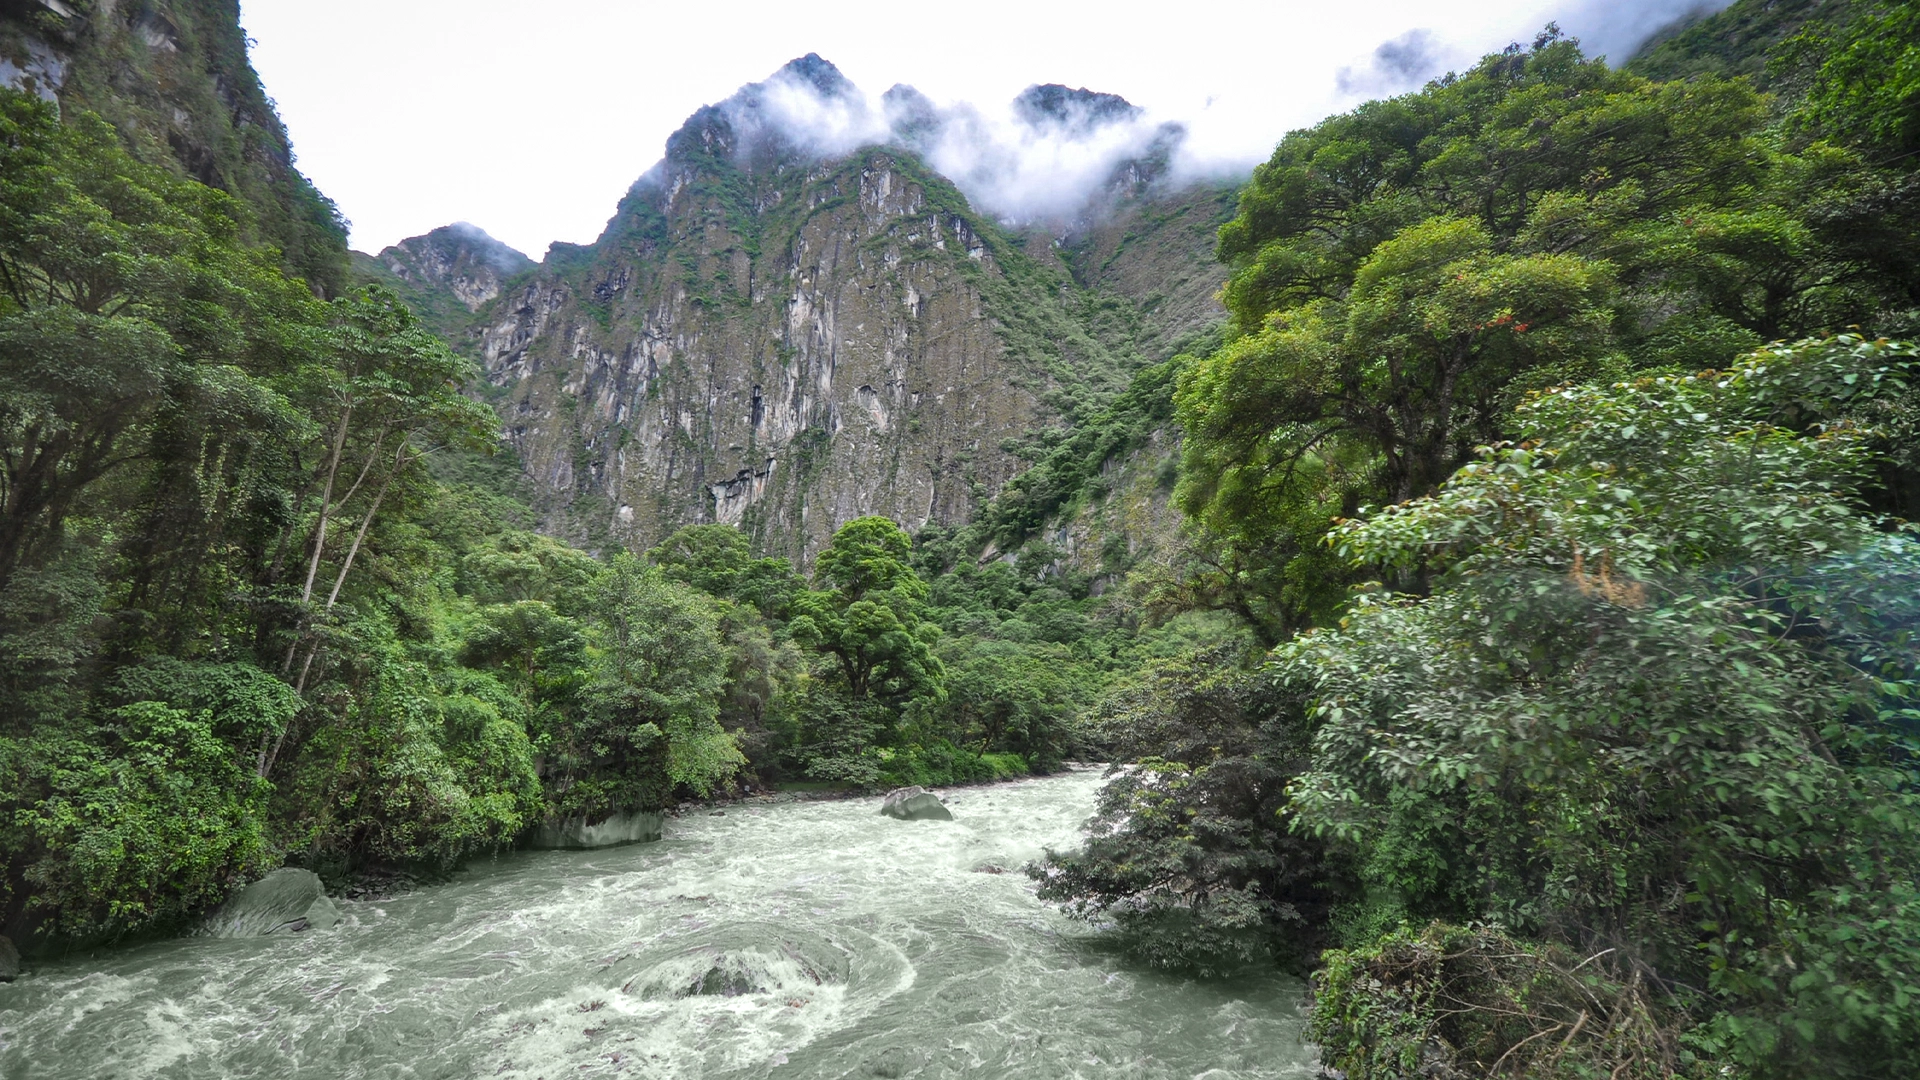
(773, 939)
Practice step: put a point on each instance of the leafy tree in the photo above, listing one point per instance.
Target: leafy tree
(1189, 855)
(1023, 699)
(385, 394)
(146, 820)
(125, 294)
(1866, 82)
(716, 559)
(1525, 138)
(654, 699)
(1659, 702)
(870, 614)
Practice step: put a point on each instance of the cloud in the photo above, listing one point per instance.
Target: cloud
(1041, 157)
(1399, 64)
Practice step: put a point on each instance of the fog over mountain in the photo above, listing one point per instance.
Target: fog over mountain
(1038, 157)
(599, 85)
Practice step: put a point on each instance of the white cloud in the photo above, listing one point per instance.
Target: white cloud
(532, 119)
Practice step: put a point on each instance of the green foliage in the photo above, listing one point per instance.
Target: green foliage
(146, 819)
(1403, 274)
(197, 108)
(1865, 87)
(1076, 456)
(870, 614)
(408, 775)
(658, 677)
(1451, 1000)
(718, 560)
(1745, 38)
(1189, 861)
(1656, 702)
(125, 296)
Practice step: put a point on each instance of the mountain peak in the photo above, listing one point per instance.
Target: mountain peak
(476, 242)
(817, 72)
(1078, 111)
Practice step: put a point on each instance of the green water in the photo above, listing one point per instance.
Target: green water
(779, 940)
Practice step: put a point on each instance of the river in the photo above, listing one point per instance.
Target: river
(791, 939)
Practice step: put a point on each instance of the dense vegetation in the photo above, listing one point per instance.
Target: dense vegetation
(1586, 746)
(268, 595)
(1537, 666)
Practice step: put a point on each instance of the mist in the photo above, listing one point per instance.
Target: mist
(1042, 157)
(1049, 153)
(532, 122)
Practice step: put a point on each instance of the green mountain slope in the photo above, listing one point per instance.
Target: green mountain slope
(1737, 40)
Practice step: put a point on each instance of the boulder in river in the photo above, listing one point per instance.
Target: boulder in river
(915, 804)
(288, 900)
(9, 960)
(634, 827)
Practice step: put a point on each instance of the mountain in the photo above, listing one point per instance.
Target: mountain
(788, 324)
(447, 275)
(1737, 40)
(173, 77)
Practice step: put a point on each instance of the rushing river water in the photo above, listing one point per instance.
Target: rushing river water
(812, 939)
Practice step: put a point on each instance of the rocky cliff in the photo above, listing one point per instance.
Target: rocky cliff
(446, 276)
(782, 333)
(173, 77)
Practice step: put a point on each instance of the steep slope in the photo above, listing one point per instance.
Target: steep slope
(446, 276)
(173, 77)
(1737, 40)
(784, 335)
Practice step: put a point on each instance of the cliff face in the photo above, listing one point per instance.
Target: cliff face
(784, 351)
(446, 276)
(173, 77)
(785, 335)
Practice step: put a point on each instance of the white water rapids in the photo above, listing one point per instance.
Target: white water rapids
(797, 939)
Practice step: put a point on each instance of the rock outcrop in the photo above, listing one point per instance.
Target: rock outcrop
(915, 804)
(288, 900)
(783, 332)
(9, 960)
(634, 827)
(173, 78)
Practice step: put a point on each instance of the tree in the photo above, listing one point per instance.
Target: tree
(1866, 82)
(384, 393)
(654, 700)
(717, 559)
(870, 614)
(124, 292)
(1660, 702)
(1529, 138)
(1382, 395)
(1189, 856)
(1403, 274)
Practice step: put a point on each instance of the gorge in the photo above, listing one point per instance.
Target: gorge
(1477, 542)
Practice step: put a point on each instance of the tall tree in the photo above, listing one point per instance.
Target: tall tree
(870, 613)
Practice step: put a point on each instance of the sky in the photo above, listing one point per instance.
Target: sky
(531, 119)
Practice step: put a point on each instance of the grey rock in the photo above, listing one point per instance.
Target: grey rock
(288, 900)
(9, 961)
(636, 827)
(322, 915)
(915, 804)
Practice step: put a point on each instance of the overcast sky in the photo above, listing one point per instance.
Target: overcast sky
(531, 119)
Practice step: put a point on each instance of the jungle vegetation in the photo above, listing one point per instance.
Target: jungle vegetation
(1560, 458)
(1537, 668)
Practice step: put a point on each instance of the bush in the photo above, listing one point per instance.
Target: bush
(147, 819)
(1450, 1001)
